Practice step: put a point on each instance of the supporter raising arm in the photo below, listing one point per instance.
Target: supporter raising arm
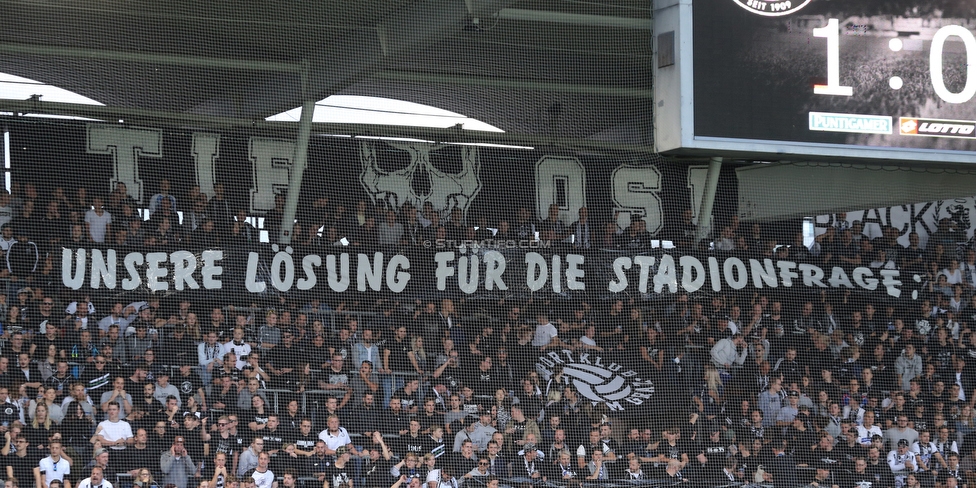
(728, 352)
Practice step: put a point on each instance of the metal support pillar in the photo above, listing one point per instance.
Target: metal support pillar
(298, 165)
(708, 200)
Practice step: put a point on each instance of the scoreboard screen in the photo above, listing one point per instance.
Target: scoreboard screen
(852, 79)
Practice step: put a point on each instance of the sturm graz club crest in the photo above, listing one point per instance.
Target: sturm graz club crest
(599, 380)
(772, 8)
(186, 387)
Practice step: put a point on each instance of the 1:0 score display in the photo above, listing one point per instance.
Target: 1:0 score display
(831, 32)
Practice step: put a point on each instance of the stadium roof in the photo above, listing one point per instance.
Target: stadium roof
(567, 73)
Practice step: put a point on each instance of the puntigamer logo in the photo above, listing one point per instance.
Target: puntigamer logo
(853, 123)
(772, 8)
(599, 380)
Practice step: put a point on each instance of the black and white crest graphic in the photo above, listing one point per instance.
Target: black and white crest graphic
(958, 212)
(447, 177)
(772, 8)
(599, 380)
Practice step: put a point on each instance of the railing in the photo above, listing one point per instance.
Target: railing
(124, 480)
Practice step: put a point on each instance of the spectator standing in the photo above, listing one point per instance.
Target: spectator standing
(98, 221)
(176, 465)
(54, 467)
(389, 233)
(908, 366)
(728, 353)
(164, 194)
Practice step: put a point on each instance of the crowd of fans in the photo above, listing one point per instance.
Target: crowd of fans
(197, 222)
(779, 387)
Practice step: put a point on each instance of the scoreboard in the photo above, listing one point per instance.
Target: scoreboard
(802, 79)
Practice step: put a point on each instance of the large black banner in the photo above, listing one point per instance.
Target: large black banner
(466, 270)
(479, 181)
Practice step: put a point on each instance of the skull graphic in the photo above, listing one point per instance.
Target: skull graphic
(420, 182)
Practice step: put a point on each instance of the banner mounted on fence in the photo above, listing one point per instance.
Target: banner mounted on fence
(456, 271)
(922, 218)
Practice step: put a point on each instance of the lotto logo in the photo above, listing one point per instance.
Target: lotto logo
(908, 126)
(963, 129)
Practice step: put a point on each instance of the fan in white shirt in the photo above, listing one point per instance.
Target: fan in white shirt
(53, 467)
(263, 476)
(867, 430)
(953, 273)
(239, 347)
(96, 480)
(114, 433)
(7, 237)
(441, 478)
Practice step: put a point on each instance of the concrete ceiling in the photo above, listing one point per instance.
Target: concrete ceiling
(561, 69)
